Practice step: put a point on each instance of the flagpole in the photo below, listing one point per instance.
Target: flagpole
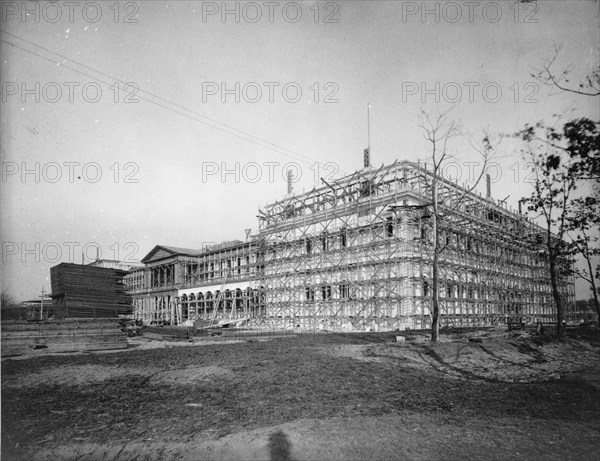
(369, 126)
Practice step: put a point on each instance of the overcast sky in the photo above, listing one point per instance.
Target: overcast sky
(126, 168)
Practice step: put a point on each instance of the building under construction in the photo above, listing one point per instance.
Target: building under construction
(356, 254)
(179, 285)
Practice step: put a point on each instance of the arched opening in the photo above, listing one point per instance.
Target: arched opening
(209, 303)
(238, 303)
(217, 303)
(248, 302)
(201, 310)
(255, 303)
(228, 304)
(191, 307)
(184, 308)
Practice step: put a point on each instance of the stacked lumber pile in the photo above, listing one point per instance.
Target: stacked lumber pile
(38, 338)
(168, 333)
(80, 291)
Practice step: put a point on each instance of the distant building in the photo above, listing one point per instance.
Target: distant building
(33, 309)
(39, 309)
(585, 310)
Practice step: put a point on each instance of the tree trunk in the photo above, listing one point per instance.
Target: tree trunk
(560, 329)
(435, 323)
(596, 302)
(593, 283)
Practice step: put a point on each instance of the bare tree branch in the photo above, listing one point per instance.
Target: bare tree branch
(439, 131)
(547, 76)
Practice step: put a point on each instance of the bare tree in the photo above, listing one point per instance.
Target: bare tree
(546, 74)
(6, 299)
(439, 131)
(11, 309)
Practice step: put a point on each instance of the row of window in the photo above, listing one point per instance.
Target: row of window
(459, 291)
(326, 292)
(208, 269)
(327, 241)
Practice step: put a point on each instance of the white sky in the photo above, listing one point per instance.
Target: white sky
(377, 52)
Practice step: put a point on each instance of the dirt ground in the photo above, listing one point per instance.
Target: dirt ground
(476, 395)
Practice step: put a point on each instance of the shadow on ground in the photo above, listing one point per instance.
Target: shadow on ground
(280, 447)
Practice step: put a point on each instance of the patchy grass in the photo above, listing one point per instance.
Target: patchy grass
(265, 384)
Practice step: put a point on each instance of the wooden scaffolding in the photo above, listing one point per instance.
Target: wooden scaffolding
(356, 254)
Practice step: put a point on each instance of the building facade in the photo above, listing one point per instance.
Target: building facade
(178, 285)
(356, 255)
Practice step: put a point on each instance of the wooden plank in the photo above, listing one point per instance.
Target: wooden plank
(48, 328)
(65, 326)
(64, 339)
(154, 336)
(76, 347)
